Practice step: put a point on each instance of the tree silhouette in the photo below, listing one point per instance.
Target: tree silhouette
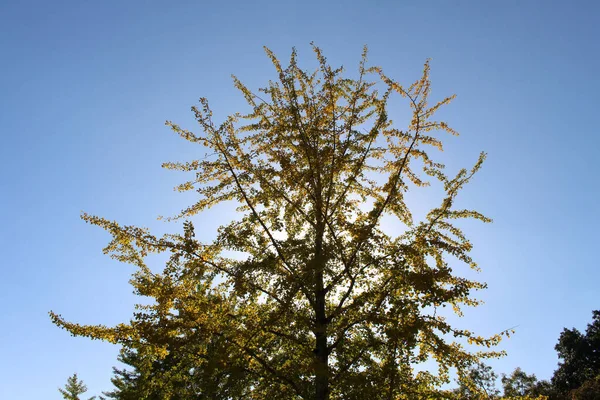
(74, 388)
(320, 301)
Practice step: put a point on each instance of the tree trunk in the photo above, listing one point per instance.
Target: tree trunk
(321, 351)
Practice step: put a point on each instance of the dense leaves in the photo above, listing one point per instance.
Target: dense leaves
(580, 356)
(589, 390)
(319, 300)
(518, 383)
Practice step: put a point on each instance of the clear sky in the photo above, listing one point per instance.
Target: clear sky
(85, 87)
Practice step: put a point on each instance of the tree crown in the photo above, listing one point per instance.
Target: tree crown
(322, 301)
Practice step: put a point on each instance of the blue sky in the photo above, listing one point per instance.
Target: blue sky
(85, 88)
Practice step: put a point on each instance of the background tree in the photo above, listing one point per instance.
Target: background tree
(590, 390)
(518, 383)
(480, 384)
(74, 388)
(320, 302)
(577, 373)
(580, 356)
(545, 388)
(127, 382)
(194, 366)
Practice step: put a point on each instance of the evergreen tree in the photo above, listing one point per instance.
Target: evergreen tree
(74, 388)
(192, 369)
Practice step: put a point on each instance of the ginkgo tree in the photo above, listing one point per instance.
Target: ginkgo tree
(323, 303)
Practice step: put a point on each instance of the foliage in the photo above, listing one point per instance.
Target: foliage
(518, 383)
(319, 301)
(590, 390)
(577, 377)
(195, 367)
(545, 388)
(577, 374)
(480, 383)
(74, 388)
(580, 356)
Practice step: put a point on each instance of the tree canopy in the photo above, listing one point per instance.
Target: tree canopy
(518, 383)
(74, 388)
(580, 357)
(305, 295)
